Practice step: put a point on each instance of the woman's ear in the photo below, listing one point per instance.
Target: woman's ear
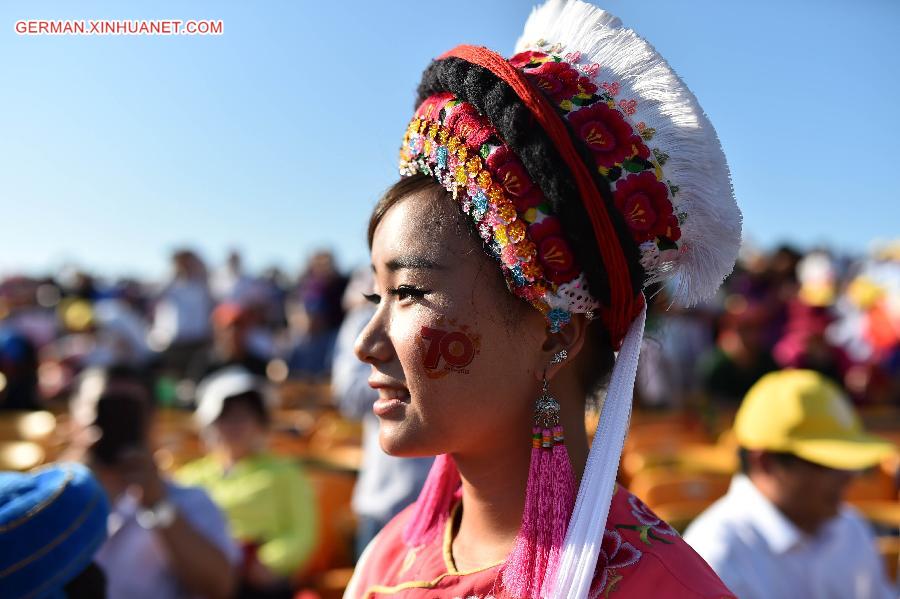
(570, 338)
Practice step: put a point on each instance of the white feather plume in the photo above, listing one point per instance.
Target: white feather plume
(711, 233)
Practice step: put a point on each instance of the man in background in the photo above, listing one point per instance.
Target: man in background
(782, 530)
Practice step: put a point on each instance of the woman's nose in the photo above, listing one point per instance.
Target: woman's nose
(373, 344)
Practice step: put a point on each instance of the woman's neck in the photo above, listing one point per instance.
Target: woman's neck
(493, 489)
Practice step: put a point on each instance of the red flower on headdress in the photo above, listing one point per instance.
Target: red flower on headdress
(554, 251)
(470, 126)
(586, 86)
(431, 106)
(508, 171)
(644, 202)
(523, 59)
(606, 133)
(556, 79)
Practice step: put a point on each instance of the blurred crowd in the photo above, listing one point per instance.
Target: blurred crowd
(785, 308)
(782, 309)
(217, 345)
(193, 324)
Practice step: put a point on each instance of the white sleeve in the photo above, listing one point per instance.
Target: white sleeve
(207, 519)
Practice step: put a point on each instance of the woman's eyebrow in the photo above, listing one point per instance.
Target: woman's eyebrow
(412, 262)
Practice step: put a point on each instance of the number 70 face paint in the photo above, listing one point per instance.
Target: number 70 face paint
(448, 348)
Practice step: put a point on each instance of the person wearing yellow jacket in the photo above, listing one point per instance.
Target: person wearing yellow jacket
(268, 500)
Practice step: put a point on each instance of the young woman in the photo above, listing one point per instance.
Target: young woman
(540, 194)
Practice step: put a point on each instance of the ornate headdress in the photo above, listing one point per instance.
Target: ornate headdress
(627, 163)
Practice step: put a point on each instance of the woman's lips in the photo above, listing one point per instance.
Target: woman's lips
(387, 407)
(391, 400)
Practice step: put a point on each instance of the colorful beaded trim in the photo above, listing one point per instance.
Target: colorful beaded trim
(449, 140)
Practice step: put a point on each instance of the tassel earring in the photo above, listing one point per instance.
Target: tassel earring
(549, 499)
(432, 507)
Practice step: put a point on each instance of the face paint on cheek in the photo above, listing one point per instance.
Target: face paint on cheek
(448, 347)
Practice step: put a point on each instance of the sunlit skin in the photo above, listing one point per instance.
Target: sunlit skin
(430, 270)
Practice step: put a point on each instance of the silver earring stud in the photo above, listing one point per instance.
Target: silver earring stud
(559, 356)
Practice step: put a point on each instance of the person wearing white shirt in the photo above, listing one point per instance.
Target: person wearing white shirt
(782, 531)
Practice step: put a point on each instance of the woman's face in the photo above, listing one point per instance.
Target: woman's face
(455, 357)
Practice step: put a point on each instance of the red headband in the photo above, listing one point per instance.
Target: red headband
(624, 304)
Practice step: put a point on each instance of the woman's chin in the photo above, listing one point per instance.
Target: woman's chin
(395, 443)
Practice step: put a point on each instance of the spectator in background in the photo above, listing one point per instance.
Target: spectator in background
(805, 344)
(232, 284)
(165, 540)
(232, 326)
(18, 372)
(119, 336)
(321, 284)
(386, 484)
(52, 521)
(740, 357)
(782, 531)
(268, 500)
(312, 339)
(181, 327)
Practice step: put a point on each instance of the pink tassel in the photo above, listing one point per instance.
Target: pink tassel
(433, 505)
(549, 498)
(564, 503)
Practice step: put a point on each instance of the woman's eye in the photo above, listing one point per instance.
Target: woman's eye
(372, 297)
(405, 291)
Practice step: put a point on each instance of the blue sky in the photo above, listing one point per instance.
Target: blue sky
(278, 136)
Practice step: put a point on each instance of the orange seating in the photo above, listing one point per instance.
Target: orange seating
(889, 548)
(665, 435)
(336, 523)
(303, 394)
(883, 514)
(680, 514)
(659, 487)
(332, 430)
(878, 483)
(675, 443)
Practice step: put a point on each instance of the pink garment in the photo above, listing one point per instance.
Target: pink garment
(642, 556)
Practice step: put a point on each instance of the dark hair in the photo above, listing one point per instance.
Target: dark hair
(90, 583)
(252, 400)
(141, 378)
(123, 412)
(123, 422)
(596, 359)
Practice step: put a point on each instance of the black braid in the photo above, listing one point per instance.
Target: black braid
(514, 123)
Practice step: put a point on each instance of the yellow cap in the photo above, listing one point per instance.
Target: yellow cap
(803, 413)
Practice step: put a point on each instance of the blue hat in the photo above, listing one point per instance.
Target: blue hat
(52, 521)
